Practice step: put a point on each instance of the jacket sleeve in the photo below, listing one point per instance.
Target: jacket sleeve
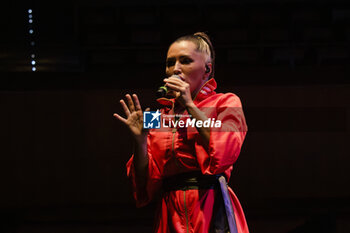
(224, 143)
(143, 195)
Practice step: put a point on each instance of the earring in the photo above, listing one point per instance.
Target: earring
(207, 69)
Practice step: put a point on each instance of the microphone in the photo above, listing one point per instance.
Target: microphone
(163, 90)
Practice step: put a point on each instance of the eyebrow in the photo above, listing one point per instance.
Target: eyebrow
(183, 56)
(170, 58)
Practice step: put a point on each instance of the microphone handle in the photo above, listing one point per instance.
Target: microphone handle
(162, 91)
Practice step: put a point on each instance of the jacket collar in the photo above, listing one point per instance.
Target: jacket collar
(206, 90)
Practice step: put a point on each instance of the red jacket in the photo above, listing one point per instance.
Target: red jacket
(171, 152)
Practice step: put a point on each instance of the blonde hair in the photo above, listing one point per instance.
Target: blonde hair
(204, 45)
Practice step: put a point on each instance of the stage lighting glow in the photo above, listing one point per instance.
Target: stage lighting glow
(31, 39)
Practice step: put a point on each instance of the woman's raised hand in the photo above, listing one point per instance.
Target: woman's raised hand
(134, 116)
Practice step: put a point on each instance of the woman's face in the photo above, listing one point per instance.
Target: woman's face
(189, 64)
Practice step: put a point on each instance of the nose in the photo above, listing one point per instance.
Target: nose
(177, 68)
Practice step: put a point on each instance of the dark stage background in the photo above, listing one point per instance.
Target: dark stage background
(63, 155)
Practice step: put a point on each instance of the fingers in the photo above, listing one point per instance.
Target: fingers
(130, 103)
(133, 105)
(119, 118)
(125, 108)
(174, 87)
(176, 84)
(137, 102)
(175, 81)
